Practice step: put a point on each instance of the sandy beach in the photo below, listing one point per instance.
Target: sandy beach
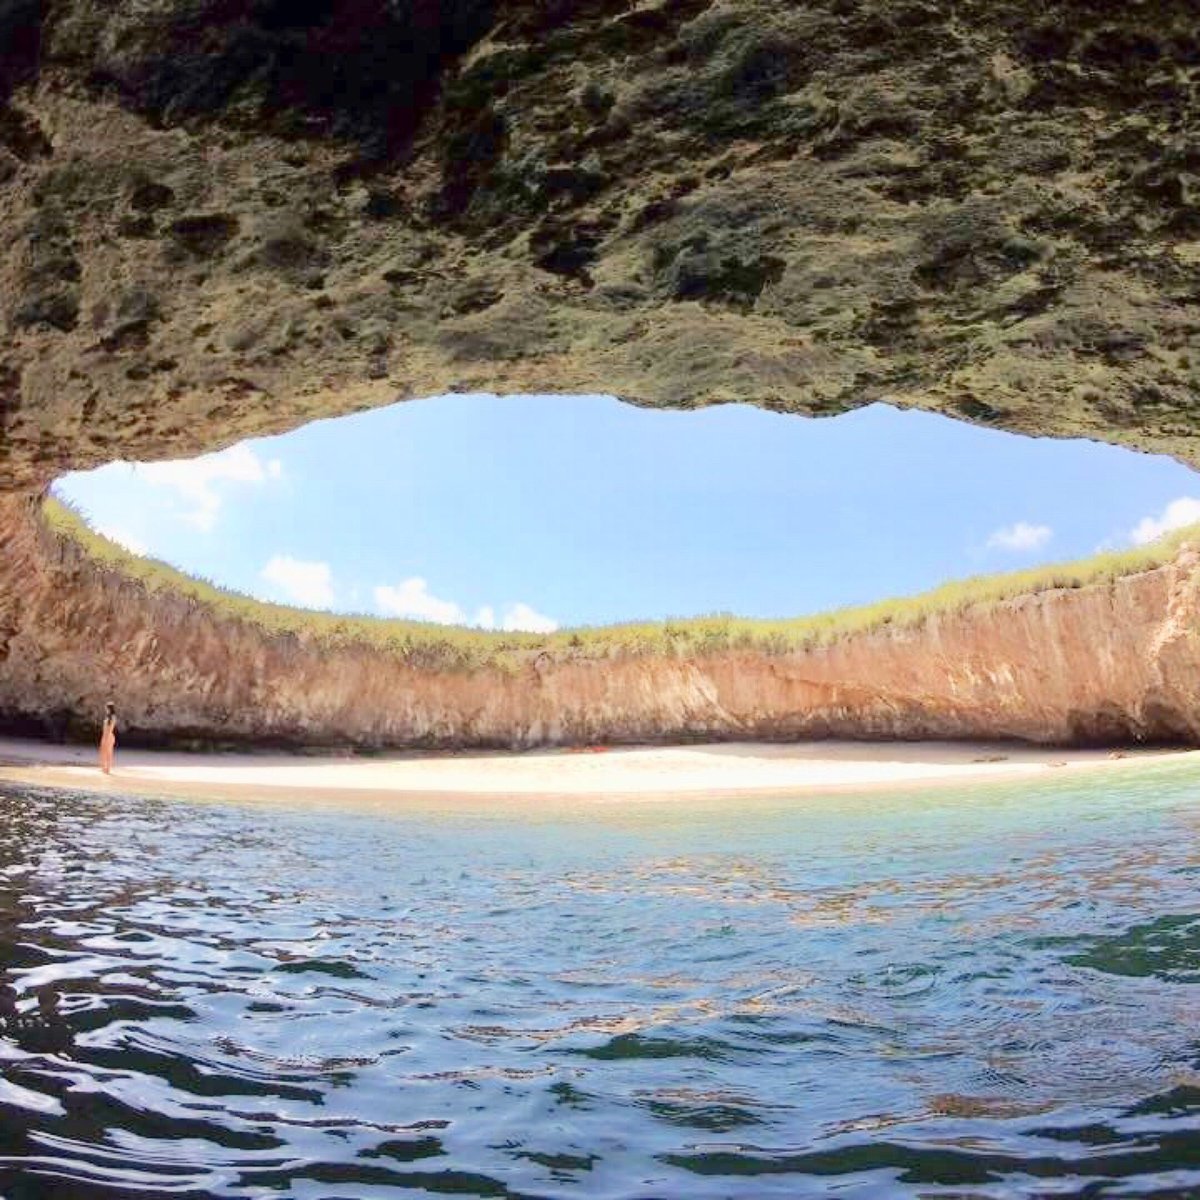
(595, 774)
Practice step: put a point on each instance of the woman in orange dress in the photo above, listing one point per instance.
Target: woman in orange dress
(108, 738)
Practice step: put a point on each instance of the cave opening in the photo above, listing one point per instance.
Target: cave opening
(538, 513)
(474, 571)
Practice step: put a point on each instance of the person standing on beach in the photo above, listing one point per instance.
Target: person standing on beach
(108, 738)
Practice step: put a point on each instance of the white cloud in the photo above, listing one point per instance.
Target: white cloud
(521, 616)
(1020, 537)
(306, 583)
(198, 480)
(413, 599)
(1180, 512)
(125, 540)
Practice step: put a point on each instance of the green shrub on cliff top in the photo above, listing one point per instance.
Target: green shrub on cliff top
(444, 647)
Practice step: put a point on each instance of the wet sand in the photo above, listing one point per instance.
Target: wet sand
(595, 774)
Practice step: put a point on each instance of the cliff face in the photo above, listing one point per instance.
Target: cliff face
(1112, 662)
(226, 217)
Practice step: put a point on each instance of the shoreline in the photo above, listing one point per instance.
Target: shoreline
(544, 778)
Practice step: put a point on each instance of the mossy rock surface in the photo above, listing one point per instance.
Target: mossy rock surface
(989, 209)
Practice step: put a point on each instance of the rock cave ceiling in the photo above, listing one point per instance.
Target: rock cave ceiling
(223, 218)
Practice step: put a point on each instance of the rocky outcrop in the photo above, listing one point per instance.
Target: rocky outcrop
(221, 218)
(226, 217)
(1112, 662)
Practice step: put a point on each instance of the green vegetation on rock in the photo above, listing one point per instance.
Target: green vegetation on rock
(424, 645)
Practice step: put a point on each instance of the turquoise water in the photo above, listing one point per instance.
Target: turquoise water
(984, 993)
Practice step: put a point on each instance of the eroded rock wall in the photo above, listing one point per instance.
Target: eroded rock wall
(225, 217)
(1106, 663)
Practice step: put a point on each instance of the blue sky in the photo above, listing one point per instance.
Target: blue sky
(540, 511)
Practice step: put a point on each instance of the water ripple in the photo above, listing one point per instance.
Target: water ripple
(948, 994)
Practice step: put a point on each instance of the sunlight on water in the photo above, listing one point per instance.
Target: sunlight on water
(985, 994)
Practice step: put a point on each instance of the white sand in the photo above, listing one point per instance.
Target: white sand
(646, 773)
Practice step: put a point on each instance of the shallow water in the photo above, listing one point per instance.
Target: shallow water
(983, 993)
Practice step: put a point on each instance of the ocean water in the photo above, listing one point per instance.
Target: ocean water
(993, 992)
